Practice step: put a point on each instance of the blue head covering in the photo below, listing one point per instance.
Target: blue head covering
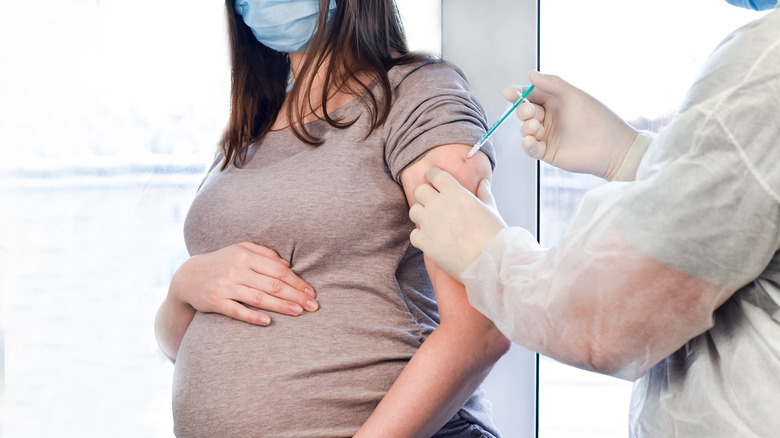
(758, 5)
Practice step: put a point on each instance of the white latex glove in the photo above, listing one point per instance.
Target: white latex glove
(452, 223)
(570, 129)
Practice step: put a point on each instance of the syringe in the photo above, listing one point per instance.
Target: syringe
(500, 121)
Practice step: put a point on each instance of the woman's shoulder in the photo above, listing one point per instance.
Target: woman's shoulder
(427, 72)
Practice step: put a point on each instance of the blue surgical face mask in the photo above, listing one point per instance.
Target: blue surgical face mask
(283, 25)
(758, 5)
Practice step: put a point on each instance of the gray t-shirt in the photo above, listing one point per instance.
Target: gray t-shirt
(338, 213)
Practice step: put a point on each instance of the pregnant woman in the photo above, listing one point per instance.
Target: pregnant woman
(304, 218)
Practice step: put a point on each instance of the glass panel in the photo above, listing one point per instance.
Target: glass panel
(110, 112)
(638, 57)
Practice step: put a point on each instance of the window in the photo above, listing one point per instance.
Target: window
(110, 112)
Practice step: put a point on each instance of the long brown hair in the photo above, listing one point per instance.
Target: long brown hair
(362, 39)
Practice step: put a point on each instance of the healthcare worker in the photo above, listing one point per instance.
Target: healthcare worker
(670, 278)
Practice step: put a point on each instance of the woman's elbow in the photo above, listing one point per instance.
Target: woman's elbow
(496, 345)
(483, 342)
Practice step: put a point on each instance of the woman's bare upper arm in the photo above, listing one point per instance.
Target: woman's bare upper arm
(469, 172)
(452, 158)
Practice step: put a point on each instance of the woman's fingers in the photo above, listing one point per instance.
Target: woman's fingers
(236, 305)
(242, 273)
(265, 301)
(268, 275)
(272, 267)
(263, 251)
(279, 290)
(240, 312)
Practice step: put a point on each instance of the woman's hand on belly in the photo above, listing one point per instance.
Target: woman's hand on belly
(242, 273)
(226, 281)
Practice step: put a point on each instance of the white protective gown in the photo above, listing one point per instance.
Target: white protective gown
(673, 279)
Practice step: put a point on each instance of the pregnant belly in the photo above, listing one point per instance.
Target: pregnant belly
(317, 375)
